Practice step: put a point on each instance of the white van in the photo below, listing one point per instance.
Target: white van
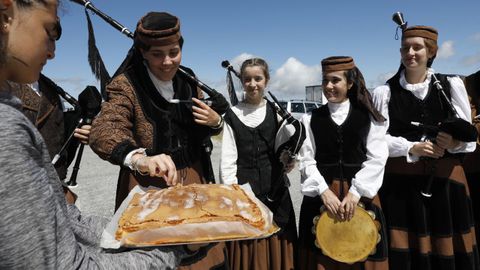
(299, 107)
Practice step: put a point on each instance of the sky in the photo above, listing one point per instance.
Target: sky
(292, 36)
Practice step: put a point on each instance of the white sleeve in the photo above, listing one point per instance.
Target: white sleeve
(397, 146)
(312, 182)
(369, 178)
(228, 158)
(462, 106)
(127, 162)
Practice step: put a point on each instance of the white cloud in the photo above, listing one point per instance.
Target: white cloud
(446, 50)
(72, 80)
(286, 82)
(237, 61)
(290, 79)
(472, 60)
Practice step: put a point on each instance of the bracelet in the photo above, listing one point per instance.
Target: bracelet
(128, 159)
(135, 165)
(220, 123)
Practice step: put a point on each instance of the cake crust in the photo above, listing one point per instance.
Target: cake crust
(195, 213)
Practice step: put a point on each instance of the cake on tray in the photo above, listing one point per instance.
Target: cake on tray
(193, 213)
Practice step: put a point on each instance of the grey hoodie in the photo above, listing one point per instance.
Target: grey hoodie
(38, 230)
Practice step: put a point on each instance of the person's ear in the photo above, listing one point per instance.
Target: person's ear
(6, 11)
(349, 85)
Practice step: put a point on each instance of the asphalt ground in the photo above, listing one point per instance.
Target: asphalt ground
(97, 183)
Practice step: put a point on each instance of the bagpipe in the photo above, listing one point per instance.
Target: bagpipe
(286, 151)
(218, 101)
(454, 125)
(457, 127)
(89, 102)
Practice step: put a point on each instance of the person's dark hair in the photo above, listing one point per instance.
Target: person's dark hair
(255, 62)
(432, 47)
(355, 77)
(359, 94)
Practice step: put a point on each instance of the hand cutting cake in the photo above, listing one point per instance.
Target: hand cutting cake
(195, 213)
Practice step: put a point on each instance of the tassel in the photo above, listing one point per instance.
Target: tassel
(95, 60)
(231, 89)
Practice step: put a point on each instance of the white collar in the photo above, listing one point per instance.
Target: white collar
(253, 106)
(165, 88)
(339, 111)
(416, 86)
(339, 107)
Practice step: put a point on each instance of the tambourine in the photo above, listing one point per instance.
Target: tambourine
(347, 241)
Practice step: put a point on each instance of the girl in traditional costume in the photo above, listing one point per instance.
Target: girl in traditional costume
(341, 162)
(435, 232)
(154, 122)
(248, 156)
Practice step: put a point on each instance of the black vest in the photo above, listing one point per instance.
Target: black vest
(404, 107)
(174, 129)
(255, 146)
(340, 149)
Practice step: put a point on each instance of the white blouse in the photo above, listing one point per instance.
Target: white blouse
(367, 180)
(164, 88)
(250, 115)
(399, 146)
